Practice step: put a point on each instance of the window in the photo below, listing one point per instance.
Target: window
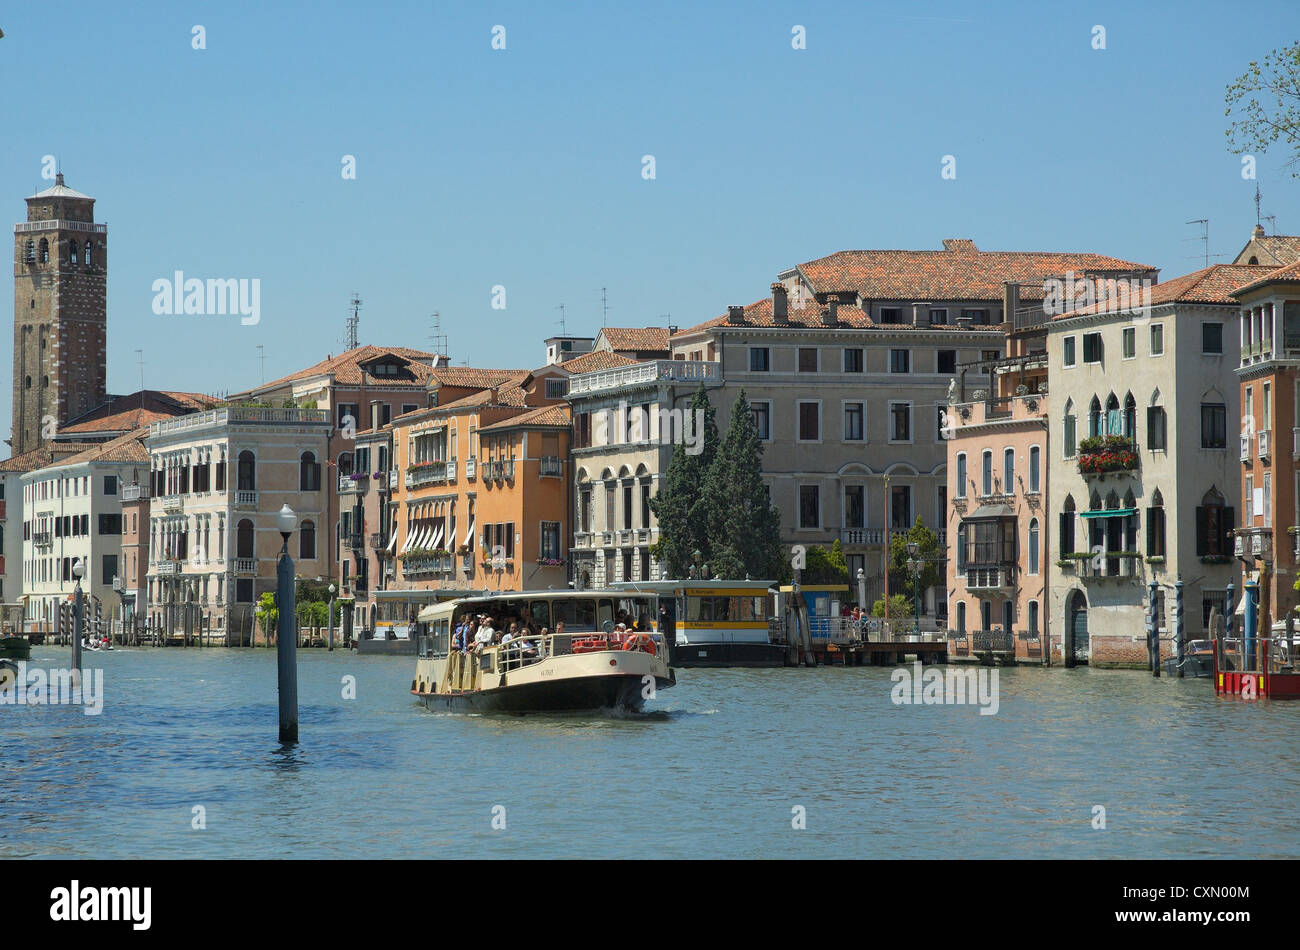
(900, 422)
(550, 540)
(1068, 440)
(247, 474)
(110, 484)
(986, 473)
(557, 388)
(891, 315)
(900, 361)
(1066, 530)
(853, 415)
(1156, 526)
(1009, 470)
(1067, 351)
(978, 317)
(1214, 522)
(109, 567)
(900, 507)
(308, 472)
(1092, 347)
(409, 407)
(110, 524)
(1130, 417)
(938, 317)
(961, 476)
(1095, 426)
(244, 590)
(1268, 495)
(1033, 546)
(762, 413)
(855, 510)
(961, 611)
(939, 413)
(244, 540)
(853, 360)
(810, 514)
(1035, 455)
(1157, 426)
(72, 252)
(760, 359)
(1212, 339)
(1157, 339)
(809, 421)
(1267, 407)
(945, 361)
(1130, 343)
(807, 359)
(1214, 426)
(307, 541)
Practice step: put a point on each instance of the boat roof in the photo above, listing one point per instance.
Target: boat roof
(591, 593)
(691, 585)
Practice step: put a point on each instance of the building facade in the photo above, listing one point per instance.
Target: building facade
(1145, 481)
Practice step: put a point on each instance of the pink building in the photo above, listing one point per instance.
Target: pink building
(997, 523)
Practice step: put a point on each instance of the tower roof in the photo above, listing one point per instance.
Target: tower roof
(59, 190)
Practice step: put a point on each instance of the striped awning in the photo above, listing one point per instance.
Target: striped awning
(437, 537)
(469, 532)
(1109, 513)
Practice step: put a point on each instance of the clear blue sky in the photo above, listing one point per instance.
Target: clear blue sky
(522, 167)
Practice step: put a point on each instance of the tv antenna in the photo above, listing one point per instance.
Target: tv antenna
(139, 358)
(1204, 238)
(604, 308)
(350, 341)
(564, 327)
(262, 356)
(439, 338)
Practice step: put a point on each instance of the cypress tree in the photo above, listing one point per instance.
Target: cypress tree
(679, 505)
(744, 529)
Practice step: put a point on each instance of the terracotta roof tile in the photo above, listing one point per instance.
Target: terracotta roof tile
(125, 448)
(1288, 272)
(42, 457)
(1213, 285)
(959, 272)
(542, 416)
(125, 413)
(809, 316)
(1281, 249)
(471, 377)
(347, 369)
(595, 360)
(636, 338)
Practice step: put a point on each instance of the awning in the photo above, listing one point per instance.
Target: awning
(469, 532)
(1109, 513)
(437, 538)
(392, 542)
(410, 536)
(989, 513)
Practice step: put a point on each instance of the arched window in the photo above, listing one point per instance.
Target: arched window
(72, 251)
(961, 616)
(961, 476)
(986, 473)
(247, 472)
(244, 547)
(1009, 470)
(1033, 619)
(1094, 417)
(1214, 521)
(1068, 440)
(307, 541)
(29, 252)
(1114, 424)
(45, 251)
(1033, 546)
(308, 472)
(1035, 475)
(27, 382)
(345, 463)
(90, 254)
(1130, 417)
(1156, 526)
(1066, 532)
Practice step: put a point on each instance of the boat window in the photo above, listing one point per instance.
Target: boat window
(605, 611)
(541, 613)
(577, 615)
(636, 610)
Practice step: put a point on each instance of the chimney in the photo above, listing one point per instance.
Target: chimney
(920, 315)
(964, 322)
(1258, 232)
(374, 415)
(1010, 302)
(831, 315)
(780, 304)
(736, 315)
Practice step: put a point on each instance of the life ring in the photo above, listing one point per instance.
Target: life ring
(640, 641)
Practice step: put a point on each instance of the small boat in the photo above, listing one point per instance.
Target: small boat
(1255, 667)
(387, 638)
(15, 648)
(590, 665)
(1198, 660)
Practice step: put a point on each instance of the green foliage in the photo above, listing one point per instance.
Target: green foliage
(900, 607)
(679, 505)
(1266, 102)
(826, 566)
(930, 554)
(268, 615)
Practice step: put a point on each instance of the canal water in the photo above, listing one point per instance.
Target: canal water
(725, 765)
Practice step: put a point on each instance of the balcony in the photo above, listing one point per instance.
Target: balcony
(451, 470)
(861, 536)
(427, 564)
(353, 484)
(1265, 437)
(1253, 543)
(242, 415)
(999, 578)
(1120, 565)
(392, 478)
(552, 465)
(246, 499)
(246, 565)
(42, 539)
(471, 468)
(167, 568)
(135, 492)
(173, 504)
(378, 541)
(430, 473)
(641, 374)
(1102, 455)
(1245, 448)
(356, 541)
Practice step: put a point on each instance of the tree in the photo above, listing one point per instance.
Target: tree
(899, 607)
(1266, 100)
(928, 551)
(268, 615)
(826, 566)
(679, 504)
(744, 530)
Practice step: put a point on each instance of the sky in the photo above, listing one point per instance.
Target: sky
(524, 168)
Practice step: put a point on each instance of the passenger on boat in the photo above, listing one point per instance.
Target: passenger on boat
(528, 648)
(485, 633)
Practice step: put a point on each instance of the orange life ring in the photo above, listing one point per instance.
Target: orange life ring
(640, 641)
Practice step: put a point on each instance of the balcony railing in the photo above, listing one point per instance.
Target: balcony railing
(991, 578)
(51, 224)
(1109, 565)
(1245, 447)
(245, 565)
(996, 640)
(552, 465)
(1106, 455)
(135, 492)
(430, 473)
(42, 539)
(1265, 443)
(378, 541)
(471, 467)
(172, 503)
(245, 499)
(652, 371)
(242, 415)
(352, 486)
(862, 536)
(167, 568)
(1253, 542)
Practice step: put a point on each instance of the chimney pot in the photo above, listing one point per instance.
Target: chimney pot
(831, 315)
(1258, 232)
(735, 314)
(780, 304)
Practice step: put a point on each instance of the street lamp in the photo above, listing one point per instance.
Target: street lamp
(78, 572)
(915, 564)
(286, 639)
(331, 617)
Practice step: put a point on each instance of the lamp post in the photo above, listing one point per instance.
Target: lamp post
(914, 567)
(78, 608)
(331, 617)
(286, 639)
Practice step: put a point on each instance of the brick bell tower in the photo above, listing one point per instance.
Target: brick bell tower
(60, 314)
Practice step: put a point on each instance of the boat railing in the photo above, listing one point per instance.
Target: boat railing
(526, 649)
(1271, 654)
